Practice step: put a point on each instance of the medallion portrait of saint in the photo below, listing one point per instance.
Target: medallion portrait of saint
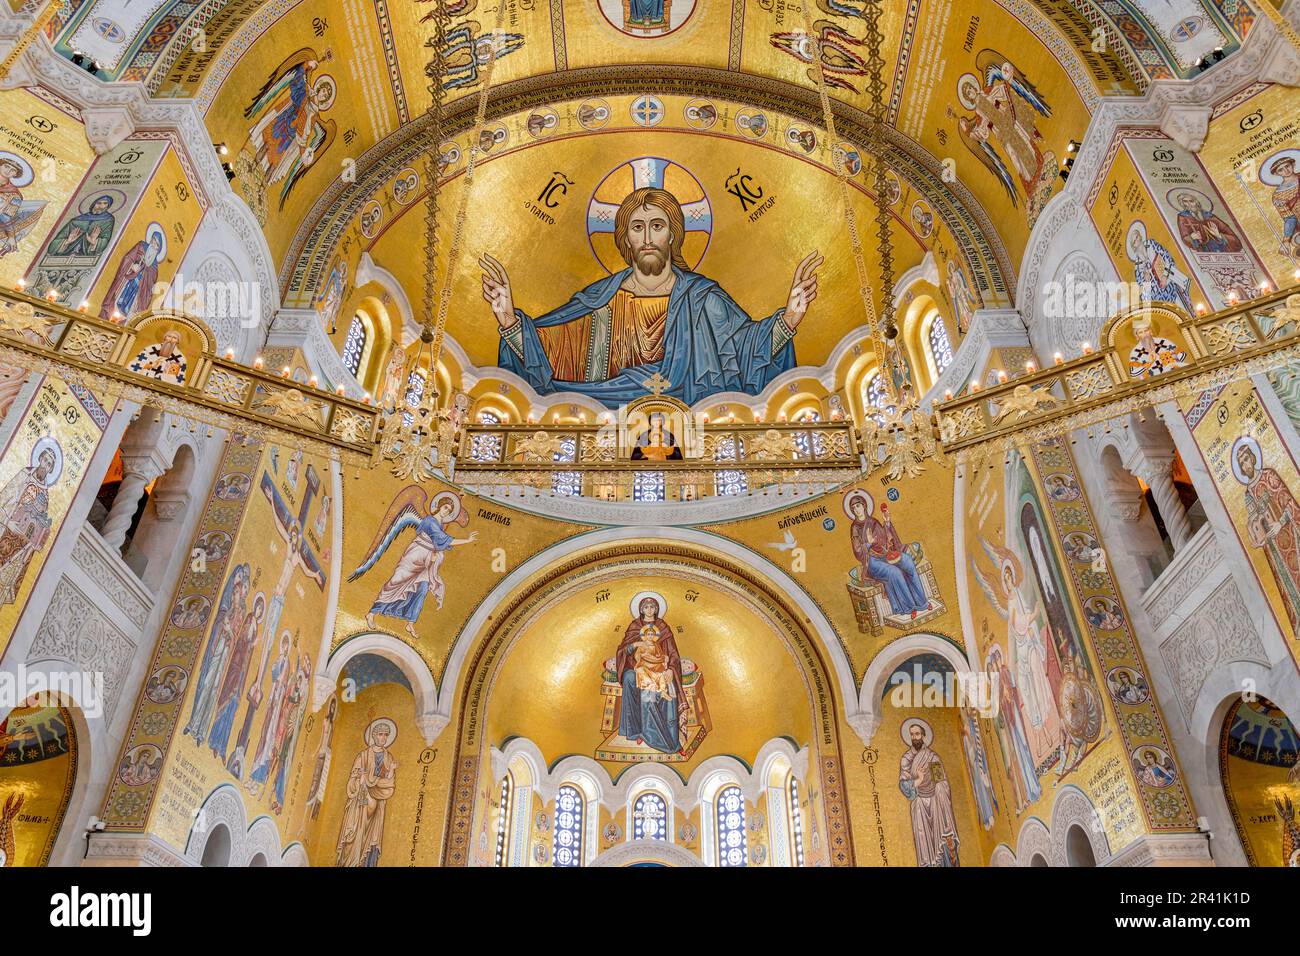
(653, 317)
(1272, 521)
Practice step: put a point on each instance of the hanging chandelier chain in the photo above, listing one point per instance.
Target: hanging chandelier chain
(879, 324)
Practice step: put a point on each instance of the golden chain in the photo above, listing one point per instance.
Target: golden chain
(879, 325)
(458, 228)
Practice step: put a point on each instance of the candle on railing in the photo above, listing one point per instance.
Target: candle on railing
(1087, 348)
(732, 418)
(1030, 367)
(83, 307)
(531, 419)
(52, 295)
(1002, 376)
(230, 355)
(582, 417)
(1200, 308)
(604, 419)
(1265, 287)
(366, 398)
(1232, 297)
(258, 362)
(22, 284)
(284, 372)
(705, 416)
(947, 395)
(555, 418)
(781, 418)
(974, 385)
(313, 381)
(758, 418)
(1058, 359)
(340, 390)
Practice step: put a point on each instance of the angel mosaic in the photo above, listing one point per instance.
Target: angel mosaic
(288, 134)
(418, 570)
(1002, 131)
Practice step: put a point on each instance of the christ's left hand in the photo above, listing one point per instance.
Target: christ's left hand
(803, 290)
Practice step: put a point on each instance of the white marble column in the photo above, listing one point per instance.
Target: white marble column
(138, 473)
(1158, 472)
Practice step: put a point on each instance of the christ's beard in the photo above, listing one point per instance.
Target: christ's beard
(651, 260)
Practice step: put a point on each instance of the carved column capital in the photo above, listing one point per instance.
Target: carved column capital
(107, 126)
(1186, 125)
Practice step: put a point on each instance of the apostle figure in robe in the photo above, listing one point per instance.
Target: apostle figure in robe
(654, 318)
(923, 780)
(649, 668)
(280, 683)
(232, 682)
(1272, 522)
(25, 517)
(371, 785)
(228, 624)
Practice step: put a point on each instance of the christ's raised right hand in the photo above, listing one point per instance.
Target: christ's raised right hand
(496, 291)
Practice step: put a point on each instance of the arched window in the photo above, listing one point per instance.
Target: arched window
(876, 395)
(503, 820)
(568, 827)
(354, 346)
(415, 384)
(489, 418)
(731, 827)
(730, 448)
(648, 486)
(796, 821)
(808, 443)
(650, 817)
(940, 346)
(567, 483)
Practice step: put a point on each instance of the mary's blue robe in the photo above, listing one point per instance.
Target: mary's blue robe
(710, 345)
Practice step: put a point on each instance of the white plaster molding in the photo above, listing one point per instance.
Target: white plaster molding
(1186, 124)
(990, 329)
(647, 851)
(816, 622)
(225, 806)
(106, 127)
(370, 271)
(1002, 856)
(1165, 849)
(131, 849)
(1068, 207)
(302, 328)
(1034, 839)
(1071, 807)
(428, 716)
(893, 654)
(1281, 65)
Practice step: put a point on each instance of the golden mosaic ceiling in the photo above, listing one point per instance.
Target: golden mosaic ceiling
(737, 70)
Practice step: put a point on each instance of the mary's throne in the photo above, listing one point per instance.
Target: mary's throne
(693, 716)
(871, 605)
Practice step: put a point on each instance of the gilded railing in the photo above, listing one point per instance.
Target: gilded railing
(168, 361)
(596, 461)
(1147, 356)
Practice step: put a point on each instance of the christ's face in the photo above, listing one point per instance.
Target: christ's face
(650, 240)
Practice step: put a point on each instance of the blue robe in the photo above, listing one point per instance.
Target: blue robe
(710, 345)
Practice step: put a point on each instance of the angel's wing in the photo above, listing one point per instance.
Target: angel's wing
(987, 588)
(271, 88)
(992, 65)
(321, 136)
(989, 158)
(409, 506)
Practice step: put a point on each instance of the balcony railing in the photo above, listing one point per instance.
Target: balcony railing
(597, 461)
